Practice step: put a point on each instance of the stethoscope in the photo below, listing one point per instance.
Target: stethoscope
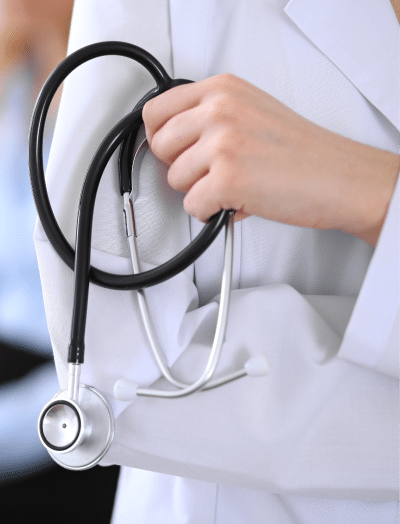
(77, 425)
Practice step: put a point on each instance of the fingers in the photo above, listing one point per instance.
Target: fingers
(157, 111)
(202, 201)
(179, 133)
(189, 166)
(214, 94)
(214, 191)
(193, 128)
(210, 171)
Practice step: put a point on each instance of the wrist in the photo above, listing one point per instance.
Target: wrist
(374, 178)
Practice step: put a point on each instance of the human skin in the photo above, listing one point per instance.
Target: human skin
(230, 145)
(33, 33)
(396, 7)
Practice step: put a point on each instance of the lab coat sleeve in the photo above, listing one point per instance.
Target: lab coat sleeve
(318, 425)
(372, 336)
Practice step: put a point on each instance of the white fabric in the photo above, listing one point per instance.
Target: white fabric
(316, 441)
(173, 499)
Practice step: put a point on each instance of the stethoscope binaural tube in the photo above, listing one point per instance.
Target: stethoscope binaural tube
(127, 126)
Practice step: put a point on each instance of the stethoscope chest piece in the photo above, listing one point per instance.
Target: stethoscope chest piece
(77, 434)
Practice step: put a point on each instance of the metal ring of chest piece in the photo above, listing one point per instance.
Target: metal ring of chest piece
(77, 425)
(77, 433)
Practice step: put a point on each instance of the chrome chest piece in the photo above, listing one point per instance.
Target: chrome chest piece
(77, 425)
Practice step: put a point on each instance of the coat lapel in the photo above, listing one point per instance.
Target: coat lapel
(361, 37)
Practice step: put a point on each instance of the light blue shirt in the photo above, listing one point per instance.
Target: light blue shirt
(22, 318)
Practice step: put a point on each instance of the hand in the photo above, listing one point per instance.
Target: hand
(230, 145)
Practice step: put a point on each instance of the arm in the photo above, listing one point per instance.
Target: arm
(230, 145)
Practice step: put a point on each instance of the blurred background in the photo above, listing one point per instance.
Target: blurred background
(33, 40)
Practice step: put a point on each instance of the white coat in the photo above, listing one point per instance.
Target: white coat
(315, 441)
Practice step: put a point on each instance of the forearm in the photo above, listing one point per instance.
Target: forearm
(230, 145)
(365, 191)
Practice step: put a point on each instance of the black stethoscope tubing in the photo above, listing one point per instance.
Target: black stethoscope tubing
(125, 131)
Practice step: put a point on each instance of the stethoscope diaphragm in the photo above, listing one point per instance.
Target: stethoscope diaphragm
(78, 434)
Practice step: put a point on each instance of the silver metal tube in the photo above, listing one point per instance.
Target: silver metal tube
(137, 161)
(144, 310)
(219, 336)
(74, 373)
(153, 339)
(224, 380)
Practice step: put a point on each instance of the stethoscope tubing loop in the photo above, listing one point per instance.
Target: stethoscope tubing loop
(36, 168)
(84, 272)
(39, 189)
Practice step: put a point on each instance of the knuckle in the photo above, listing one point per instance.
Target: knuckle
(223, 108)
(222, 103)
(227, 143)
(167, 142)
(161, 147)
(226, 81)
(218, 109)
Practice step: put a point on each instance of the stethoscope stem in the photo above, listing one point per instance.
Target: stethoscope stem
(74, 374)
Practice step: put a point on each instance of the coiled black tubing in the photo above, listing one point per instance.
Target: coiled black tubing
(122, 134)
